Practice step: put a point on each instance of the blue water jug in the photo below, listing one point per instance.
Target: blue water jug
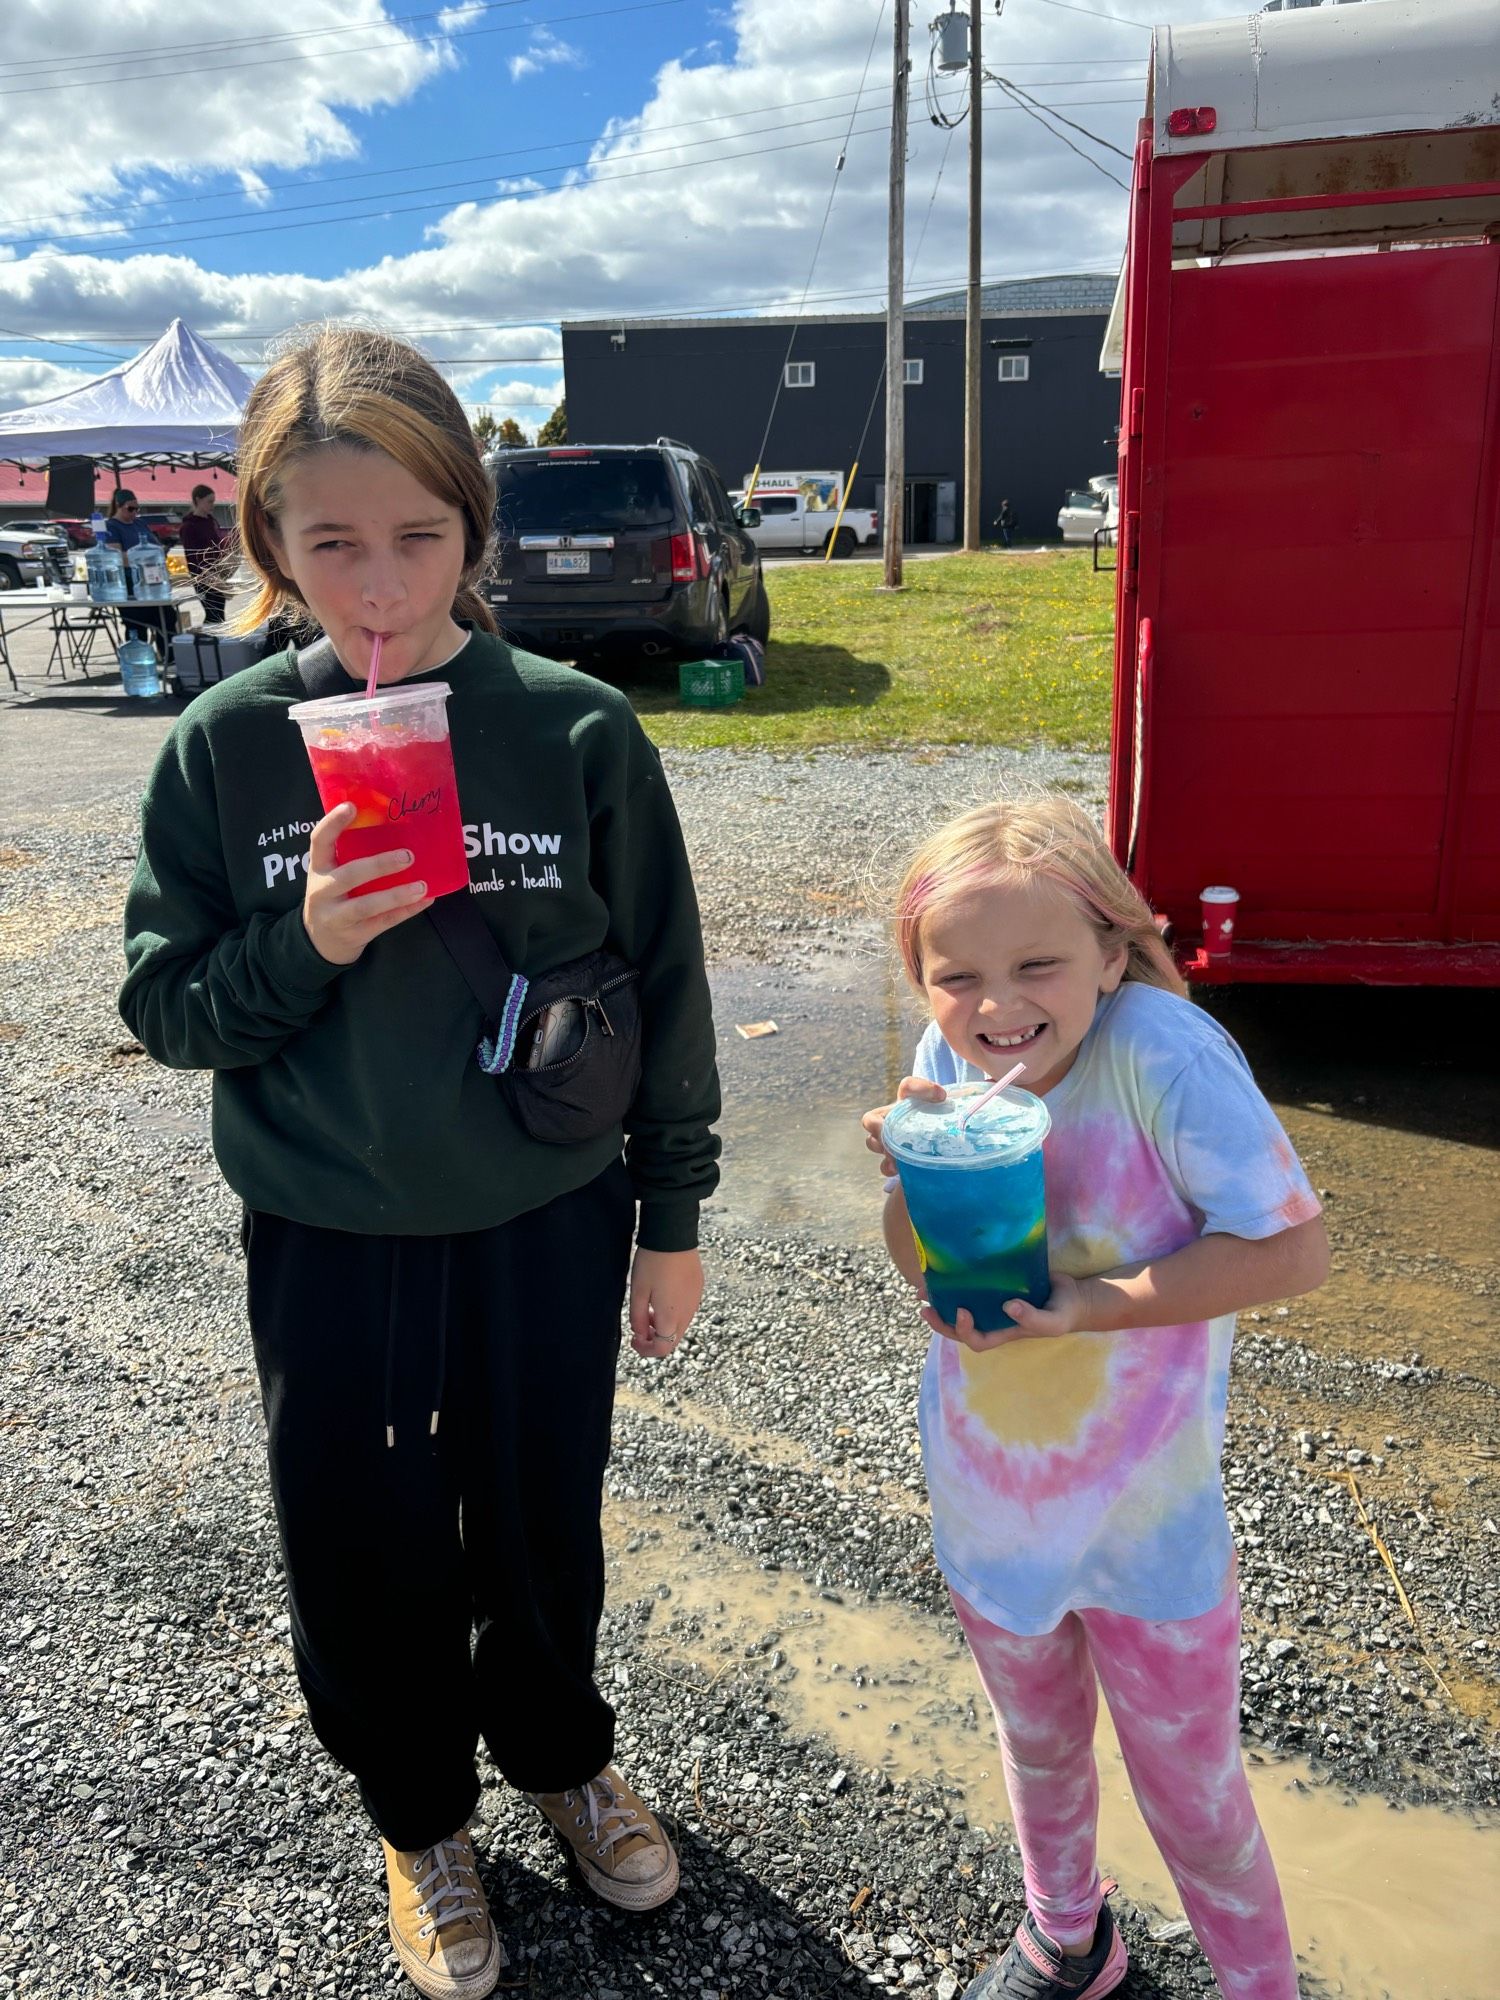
(140, 669)
(106, 569)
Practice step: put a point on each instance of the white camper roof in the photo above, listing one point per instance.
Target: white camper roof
(1329, 72)
(1334, 80)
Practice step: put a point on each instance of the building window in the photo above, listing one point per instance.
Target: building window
(800, 374)
(911, 374)
(1015, 367)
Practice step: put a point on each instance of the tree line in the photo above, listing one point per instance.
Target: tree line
(507, 433)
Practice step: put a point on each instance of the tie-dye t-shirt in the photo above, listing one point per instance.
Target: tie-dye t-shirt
(1083, 1471)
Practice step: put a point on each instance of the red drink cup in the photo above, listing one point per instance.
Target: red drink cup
(389, 755)
(1219, 907)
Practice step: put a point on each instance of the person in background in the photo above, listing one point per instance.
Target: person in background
(123, 526)
(1005, 521)
(203, 543)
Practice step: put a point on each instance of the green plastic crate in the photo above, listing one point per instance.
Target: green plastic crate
(711, 683)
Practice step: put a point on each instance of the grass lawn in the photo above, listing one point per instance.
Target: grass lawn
(974, 649)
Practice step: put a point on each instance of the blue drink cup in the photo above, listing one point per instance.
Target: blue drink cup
(976, 1199)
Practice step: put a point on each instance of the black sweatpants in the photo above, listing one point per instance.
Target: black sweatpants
(450, 1584)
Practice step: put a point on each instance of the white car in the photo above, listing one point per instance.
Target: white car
(1086, 510)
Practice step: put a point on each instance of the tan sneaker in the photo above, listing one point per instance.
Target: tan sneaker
(440, 1922)
(616, 1840)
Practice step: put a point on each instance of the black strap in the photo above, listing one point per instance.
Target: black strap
(322, 670)
(470, 942)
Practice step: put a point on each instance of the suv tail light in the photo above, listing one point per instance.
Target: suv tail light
(689, 558)
(875, 523)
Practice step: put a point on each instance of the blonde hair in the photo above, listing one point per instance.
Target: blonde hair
(1017, 841)
(364, 390)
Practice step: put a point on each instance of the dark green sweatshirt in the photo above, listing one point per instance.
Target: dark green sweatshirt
(348, 1096)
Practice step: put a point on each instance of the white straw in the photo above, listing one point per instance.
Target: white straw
(994, 1091)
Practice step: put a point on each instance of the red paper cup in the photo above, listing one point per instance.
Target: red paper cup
(1219, 907)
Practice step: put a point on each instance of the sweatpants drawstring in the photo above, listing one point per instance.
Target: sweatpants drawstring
(442, 1366)
(390, 1344)
(391, 1321)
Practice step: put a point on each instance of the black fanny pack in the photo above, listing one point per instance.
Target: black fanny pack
(566, 1048)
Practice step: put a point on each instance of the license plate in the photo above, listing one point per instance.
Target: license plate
(568, 565)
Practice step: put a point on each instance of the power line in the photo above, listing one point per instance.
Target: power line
(1016, 91)
(1120, 20)
(469, 7)
(762, 304)
(431, 187)
(911, 272)
(384, 209)
(42, 340)
(516, 152)
(269, 62)
(92, 235)
(421, 166)
(1066, 141)
(838, 168)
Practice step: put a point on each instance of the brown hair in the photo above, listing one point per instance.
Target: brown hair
(1051, 839)
(119, 498)
(202, 493)
(356, 387)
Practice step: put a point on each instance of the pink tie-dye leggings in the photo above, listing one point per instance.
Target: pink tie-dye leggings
(1173, 1689)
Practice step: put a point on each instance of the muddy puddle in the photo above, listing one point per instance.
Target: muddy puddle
(1385, 1904)
(1392, 1099)
(794, 1154)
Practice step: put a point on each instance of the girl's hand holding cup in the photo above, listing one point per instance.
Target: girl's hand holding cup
(339, 922)
(874, 1121)
(1064, 1312)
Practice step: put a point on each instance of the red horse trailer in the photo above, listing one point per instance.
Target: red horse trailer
(1307, 664)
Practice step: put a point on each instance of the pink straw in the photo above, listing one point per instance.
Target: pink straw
(374, 680)
(994, 1091)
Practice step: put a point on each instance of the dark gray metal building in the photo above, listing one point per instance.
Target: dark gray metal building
(1049, 416)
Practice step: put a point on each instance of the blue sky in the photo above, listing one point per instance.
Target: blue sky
(639, 159)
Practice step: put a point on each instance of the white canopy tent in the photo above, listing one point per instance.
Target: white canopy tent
(181, 399)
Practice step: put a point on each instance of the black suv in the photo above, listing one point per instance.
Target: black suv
(621, 546)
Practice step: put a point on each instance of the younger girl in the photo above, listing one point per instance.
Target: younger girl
(434, 1295)
(1073, 1464)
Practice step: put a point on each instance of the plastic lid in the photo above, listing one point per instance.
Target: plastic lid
(1218, 895)
(1010, 1126)
(384, 702)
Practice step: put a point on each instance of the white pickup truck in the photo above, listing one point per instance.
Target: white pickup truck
(22, 556)
(798, 510)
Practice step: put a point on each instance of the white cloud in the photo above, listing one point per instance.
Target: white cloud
(732, 223)
(83, 133)
(24, 382)
(544, 50)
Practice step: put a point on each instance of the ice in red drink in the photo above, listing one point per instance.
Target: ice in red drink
(390, 758)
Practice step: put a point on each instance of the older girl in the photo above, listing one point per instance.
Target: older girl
(434, 1296)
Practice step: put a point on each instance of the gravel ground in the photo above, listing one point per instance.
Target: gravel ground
(171, 1826)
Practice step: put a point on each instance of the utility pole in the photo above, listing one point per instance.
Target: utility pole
(973, 378)
(895, 330)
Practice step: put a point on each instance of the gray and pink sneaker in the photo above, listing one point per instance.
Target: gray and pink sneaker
(1034, 1969)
